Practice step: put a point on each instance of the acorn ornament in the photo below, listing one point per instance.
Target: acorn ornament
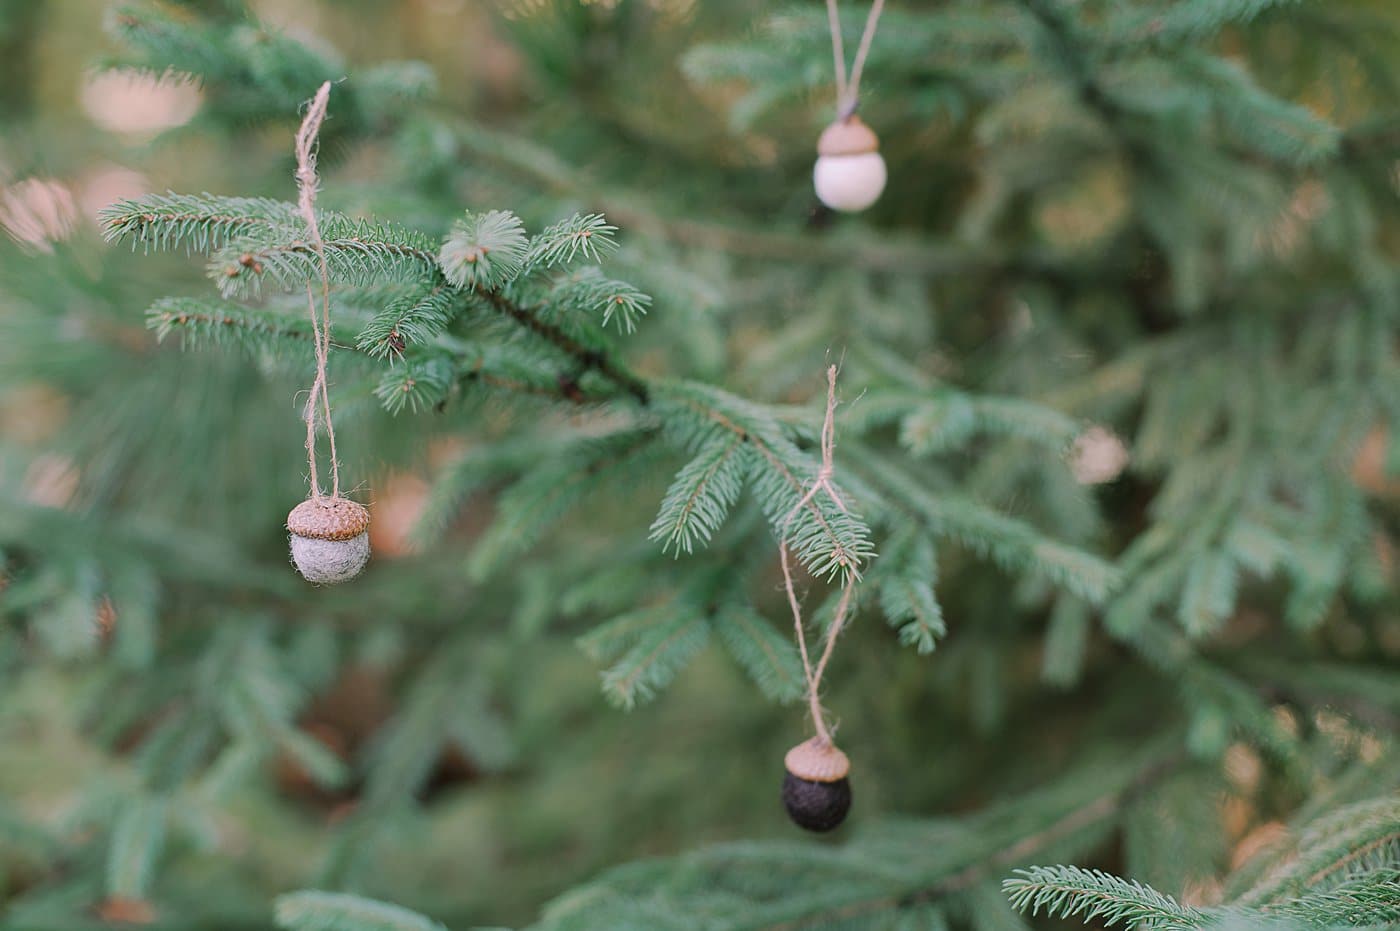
(817, 787)
(329, 538)
(850, 173)
(329, 534)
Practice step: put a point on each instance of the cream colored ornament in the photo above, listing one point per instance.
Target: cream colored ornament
(850, 174)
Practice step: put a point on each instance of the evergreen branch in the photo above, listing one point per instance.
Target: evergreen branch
(252, 71)
(403, 757)
(589, 290)
(700, 497)
(272, 232)
(1332, 850)
(589, 359)
(950, 419)
(828, 540)
(337, 911)
(587, 235)
(196, 222)
(1011, 543)
(904, 579)
(207, 321)
(483, 464)
(660, 652)
(1190, 20)
(1069, 892)
(357, 253)
(137, 840)
(1065, 641)
(766, 655)
(415, 384)
(1372, 898)
(257, 237)
(484, 250)
(409, 319)
(565, 390)
(549, 490)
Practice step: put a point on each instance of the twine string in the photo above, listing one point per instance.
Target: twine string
(306, 145)
(821, 484)
(848, 89)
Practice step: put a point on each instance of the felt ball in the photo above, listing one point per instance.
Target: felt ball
(330, 539)
(816, 787)
(850, 174)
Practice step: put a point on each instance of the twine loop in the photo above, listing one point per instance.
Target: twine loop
(306, 146)
(822, 484)
(848, 89)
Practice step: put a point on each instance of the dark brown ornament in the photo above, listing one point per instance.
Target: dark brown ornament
(816, 787)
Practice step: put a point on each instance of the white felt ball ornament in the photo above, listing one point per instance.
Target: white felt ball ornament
(330, 539)
(850, 173)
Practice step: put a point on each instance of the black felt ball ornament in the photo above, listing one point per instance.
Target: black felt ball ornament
(817, 787)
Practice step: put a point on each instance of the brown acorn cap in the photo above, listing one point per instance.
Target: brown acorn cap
(328, 519)
(817, 761)
(847, 137)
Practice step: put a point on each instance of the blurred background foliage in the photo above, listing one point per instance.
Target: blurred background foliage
(1120, 339)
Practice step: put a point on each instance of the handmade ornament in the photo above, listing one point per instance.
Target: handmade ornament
(849, 174)
(330, 539)
(329, 535)
(816, 790)
(816, 787)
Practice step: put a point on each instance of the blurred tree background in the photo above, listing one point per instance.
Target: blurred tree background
(1121, 412)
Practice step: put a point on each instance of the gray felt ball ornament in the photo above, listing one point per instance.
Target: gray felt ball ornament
(330, 539)
(816, 787)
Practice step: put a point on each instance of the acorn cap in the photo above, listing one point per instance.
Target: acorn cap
(847, 137)
(328, 519)
(816, 760)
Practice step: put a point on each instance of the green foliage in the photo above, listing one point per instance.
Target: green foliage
(330, 911)
(1115, 455)
(703, 492)
(1068, 892)
(484, 250)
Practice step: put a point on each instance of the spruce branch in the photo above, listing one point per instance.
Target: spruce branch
(195, 222)
(263, 239)
(589, 359)
(1332, 851)
(484, 250)
(658, 655)
(1372, 898)
(415, 318)
(1011, 543)
(829, 541)
(1071, 892)
(701, 495)
(337, 911)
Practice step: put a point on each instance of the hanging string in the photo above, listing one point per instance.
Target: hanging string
(821, 484)
(320, 327)
(848, 91)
